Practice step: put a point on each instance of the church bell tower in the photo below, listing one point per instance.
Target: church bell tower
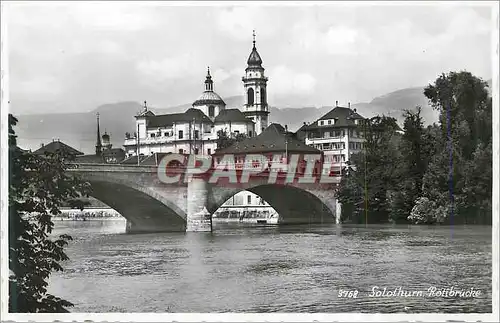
(255, 84)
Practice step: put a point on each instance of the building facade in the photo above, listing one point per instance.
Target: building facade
(195, 131)
(339, 134)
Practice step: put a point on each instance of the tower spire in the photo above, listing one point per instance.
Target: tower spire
(98, 145)
(209, 84)
(255, 83)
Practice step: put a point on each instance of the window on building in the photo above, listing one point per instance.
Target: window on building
(181, 151)
(250, 133)
(326, 134)
(209, 151)
(250, 96)
(152, 135)
(321, 123)
(211, 111)
(196, 134)
(263, 98)
(249, 199)
(329, 121)
(181, 134)
(196, 151)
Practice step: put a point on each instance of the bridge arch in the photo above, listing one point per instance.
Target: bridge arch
(295, 205)
(145, 209)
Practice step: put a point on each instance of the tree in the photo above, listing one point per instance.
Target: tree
(38, 185)
(224, 140)
(365, 191)
(411, 168)
(458, 177)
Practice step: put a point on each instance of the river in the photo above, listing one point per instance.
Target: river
(273, 268)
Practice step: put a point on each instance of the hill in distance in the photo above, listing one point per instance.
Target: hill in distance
(79, 129)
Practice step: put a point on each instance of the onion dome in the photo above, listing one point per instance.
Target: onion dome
(209, 96)
(254, 59)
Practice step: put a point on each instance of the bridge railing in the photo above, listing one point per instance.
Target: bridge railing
(172, 170)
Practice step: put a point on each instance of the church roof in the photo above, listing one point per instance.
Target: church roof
(165, 120)
(57, 146)
(273, 139)
(231, 115)
(209, 97)
(145, 113)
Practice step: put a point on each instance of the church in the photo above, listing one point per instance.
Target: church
(196, 130)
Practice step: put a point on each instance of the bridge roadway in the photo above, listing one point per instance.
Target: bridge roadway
(150, 205)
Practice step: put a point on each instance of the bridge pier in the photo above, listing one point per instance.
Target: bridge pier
(198, 218)
(338, 210)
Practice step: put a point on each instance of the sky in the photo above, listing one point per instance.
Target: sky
(75, 56)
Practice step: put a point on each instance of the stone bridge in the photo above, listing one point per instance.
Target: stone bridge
(150, 205)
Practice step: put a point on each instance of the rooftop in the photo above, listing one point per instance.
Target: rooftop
(90, 159)
(209, 97)
(166, 120)
(344, 118)
(231, 115)
(57, 146)
(273, 139)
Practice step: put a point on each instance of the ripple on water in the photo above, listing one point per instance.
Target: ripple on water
(272, 269)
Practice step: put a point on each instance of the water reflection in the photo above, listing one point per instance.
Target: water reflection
(271, 269)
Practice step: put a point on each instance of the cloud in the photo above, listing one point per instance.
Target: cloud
(238, 22)
(121, 16)
(284, 80)
(42, 87)
(64, 51)
(221, 75)
(335, 40)
(168, 68)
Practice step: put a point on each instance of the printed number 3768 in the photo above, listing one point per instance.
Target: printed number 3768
(348, 293)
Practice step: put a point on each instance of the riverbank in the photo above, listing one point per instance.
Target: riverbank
(88, 214)
(253, 214)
